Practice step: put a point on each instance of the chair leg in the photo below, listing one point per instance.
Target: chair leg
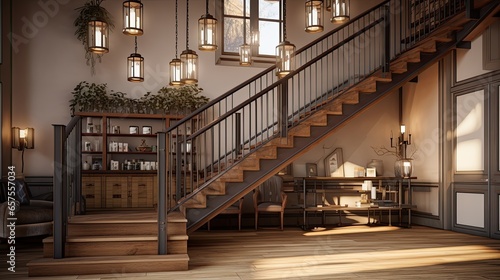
(239, 221)
(282, 220)
(256, 219)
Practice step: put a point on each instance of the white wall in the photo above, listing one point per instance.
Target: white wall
(470, 62)
(48, 61)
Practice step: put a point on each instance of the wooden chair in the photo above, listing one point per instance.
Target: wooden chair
(236, 208)
(270, 198)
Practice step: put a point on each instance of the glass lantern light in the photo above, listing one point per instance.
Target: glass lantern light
(285, 62)
(340, 11)
(314, 16)
(207, 32)
(285, 52)
(175, 72)
(98, 36)
(245, 55)
(189, 67)
(135, 66)
(133, 18)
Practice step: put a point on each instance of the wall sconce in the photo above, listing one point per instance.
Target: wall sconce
(98, 36)
(132, 18)
(23, 139)
(314, 16)
(340, 11)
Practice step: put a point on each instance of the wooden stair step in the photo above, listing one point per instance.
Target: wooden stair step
(215, 188)
(317, 120)
(300, 130)
(108, 264)
(267, 152)
(249, 164)
(88, 246)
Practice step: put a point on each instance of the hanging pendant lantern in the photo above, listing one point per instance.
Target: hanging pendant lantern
(245, 55)
(176, 64)
(189, 67)
(207, 32)
(98, 36)
(340, 11)
(245, 49)
(189, 58)
(132, 18)
(285, 52)
(314, 16)
(175, 72)
(285, 58)
(135, 66)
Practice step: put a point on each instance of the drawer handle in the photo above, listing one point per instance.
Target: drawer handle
(117, 185)
(90, 196)
(142, 185)
(117, 196)
(89, 185)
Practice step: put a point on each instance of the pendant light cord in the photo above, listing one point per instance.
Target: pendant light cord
(135, 44)
(187, 24)
(244, 24)
(207, 7)
(176, 29)
(284, 20)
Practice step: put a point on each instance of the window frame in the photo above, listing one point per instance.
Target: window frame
(232, 58)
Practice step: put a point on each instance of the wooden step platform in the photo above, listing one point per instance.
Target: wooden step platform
(108, 264)
(116, 241)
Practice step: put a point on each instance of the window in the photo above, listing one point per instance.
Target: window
(258, 15)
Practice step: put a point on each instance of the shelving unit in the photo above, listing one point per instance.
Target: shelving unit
(120, 175)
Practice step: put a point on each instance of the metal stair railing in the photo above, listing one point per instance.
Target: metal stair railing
(211, 140)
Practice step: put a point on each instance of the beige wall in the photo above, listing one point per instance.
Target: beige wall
(49, 61)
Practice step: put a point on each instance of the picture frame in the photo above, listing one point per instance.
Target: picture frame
(288, 170)
(334, 164)
(147, 129)
(133, 129)
(371, 172)
(311, 170)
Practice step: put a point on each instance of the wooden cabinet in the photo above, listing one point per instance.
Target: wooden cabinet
(119, 158)
(112, 191)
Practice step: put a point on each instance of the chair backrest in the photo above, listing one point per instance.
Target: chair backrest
(271, 189)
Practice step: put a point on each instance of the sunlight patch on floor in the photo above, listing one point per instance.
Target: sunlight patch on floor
(349, 263)
(351, 230)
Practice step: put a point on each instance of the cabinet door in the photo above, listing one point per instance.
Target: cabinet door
(116, 192)
(141, 190)
(92, 191)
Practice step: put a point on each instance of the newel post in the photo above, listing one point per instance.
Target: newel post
(60, 214)
(162, 193)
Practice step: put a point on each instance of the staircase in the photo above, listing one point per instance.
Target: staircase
(250, 133)
(242, 162)
(116, 242)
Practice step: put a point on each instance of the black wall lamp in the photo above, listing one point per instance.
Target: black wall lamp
(23, 139)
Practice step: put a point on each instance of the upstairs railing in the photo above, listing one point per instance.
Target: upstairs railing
(214, 138)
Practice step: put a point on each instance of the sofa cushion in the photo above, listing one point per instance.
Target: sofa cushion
(36, 212)
(22, 191)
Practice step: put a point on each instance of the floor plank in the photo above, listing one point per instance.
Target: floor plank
(351, 252)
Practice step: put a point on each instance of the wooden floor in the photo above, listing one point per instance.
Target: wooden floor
(358, 252)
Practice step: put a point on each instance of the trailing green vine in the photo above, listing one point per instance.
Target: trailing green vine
(91, 9)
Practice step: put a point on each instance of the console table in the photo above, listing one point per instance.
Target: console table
(344, 186)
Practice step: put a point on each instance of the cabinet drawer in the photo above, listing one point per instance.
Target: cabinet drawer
(92, 191)
(116, 192)
(141, 190)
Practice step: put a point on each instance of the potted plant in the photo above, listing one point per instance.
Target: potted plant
(89, 97)
(182, 100)
(90, 10)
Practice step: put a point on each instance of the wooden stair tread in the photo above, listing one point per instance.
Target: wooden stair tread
(116, 238)
(176, 217)
(108, 259)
